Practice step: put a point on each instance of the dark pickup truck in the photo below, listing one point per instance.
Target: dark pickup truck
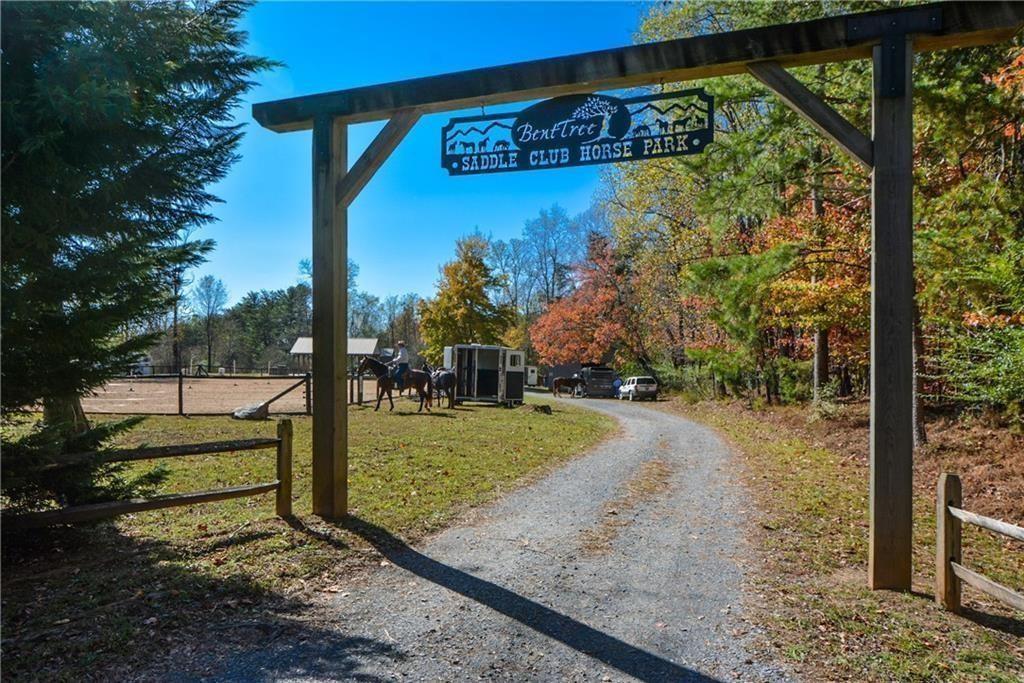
(600, 382)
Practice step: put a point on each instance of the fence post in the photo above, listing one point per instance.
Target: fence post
(359, 383)
(284, 468)
(309, 394)
(181, 393)
(947, 542)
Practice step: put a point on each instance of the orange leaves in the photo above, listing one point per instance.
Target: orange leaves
(589, 323)
(974, 319)
(1011, 77)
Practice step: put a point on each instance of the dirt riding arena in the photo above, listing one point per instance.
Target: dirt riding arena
(203, 395)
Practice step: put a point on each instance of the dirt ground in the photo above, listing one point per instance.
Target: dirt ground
(204, 395)
(988, 459)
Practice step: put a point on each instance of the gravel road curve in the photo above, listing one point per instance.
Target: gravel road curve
(625, 564)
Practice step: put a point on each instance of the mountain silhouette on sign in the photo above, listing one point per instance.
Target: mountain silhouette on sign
(664, 112)
(474, 129)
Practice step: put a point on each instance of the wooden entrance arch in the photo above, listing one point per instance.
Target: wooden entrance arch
(888, 37)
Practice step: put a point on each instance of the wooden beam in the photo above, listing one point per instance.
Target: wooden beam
(892, 315)
(375, 155)
(330, 320)
(94, 511)
(798, 44)
(154, 452)
(988, 586)
(947, 542)
(995, 525)
(815, 110)
(283, 504)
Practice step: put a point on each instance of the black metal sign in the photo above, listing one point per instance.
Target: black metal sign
(577, 130)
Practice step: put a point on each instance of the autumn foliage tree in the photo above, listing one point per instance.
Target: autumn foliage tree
(746, 269)
(600, 318)
(463, 312)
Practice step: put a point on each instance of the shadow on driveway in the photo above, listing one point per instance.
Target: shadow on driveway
(628, 659)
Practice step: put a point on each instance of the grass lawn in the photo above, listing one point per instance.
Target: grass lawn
(108, 597)
(812, 575)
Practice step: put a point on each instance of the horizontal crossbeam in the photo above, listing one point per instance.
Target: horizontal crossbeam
(798, 44)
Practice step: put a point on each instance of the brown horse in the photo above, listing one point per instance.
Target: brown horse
(416, 379)
(571, 383)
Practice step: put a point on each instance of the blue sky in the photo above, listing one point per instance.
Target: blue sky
(405, 223)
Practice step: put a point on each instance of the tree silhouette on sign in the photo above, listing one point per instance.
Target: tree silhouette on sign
(597, 107)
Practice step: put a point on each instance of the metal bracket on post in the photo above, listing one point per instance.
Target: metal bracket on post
(893, 31)
(894, 58)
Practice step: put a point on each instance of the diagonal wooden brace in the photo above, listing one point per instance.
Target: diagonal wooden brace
(817, 112)
(375, 155)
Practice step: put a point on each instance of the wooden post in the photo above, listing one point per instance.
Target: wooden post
(284, 468)
(892, 314)
(330, 293)
(947, 542)
(359, 389)
(309, 394)
(181, 393)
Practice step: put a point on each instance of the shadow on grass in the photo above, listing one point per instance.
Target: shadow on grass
(1009, 625)
(433, 413)
(329, 539)
(587, 640)
(997, 622)
(92, 603)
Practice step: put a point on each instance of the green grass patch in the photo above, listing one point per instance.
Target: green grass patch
(816, 604)
(75, 599)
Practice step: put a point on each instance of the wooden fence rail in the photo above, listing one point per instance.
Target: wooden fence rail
(949, 572)
(87, 513)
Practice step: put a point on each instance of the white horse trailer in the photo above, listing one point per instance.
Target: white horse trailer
(488, 374)
(531, 375)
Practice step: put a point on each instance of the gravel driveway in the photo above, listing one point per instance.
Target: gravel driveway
(622, 565)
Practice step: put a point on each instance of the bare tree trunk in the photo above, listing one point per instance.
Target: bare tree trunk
(820, 361)
(66, 412)
(820, 335)
(175, 341)
(209, 348)
(920, 435)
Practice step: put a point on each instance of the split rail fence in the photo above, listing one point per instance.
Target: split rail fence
(949, 572)
(282, 485)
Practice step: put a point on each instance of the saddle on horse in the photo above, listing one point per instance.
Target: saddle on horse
(397, 374)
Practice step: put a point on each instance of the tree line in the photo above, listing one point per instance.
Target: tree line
(494, 290)
(257, 333)
(745, 270)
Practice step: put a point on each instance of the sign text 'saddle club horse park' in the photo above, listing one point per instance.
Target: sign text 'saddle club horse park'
(888, 37)
(577, 130)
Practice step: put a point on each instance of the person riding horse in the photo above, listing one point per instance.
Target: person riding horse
(416, 379)
(400, 365)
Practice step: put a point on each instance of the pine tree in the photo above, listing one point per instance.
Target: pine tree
(462, 312)
(116, 118)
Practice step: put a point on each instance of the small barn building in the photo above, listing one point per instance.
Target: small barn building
(302, 352)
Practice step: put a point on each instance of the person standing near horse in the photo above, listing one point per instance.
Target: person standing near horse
(400, 363)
